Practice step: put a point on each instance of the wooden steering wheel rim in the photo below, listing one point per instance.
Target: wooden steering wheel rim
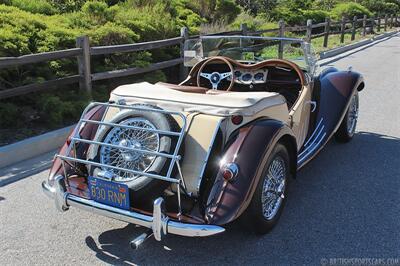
(216, 58)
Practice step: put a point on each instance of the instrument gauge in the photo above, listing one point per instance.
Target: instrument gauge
(246, 77)
(259, 76)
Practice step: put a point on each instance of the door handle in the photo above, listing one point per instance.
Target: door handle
(313, 104)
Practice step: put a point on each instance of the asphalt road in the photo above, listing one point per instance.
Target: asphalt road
(344, 204)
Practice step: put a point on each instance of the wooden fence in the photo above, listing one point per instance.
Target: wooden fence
(83, 51)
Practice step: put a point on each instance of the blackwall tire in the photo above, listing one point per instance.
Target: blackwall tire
(257, 217)
(347, 128)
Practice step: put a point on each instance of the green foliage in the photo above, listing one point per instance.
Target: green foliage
(36, 6)
(8, 114)
(65, 6)
(349, 10)
(316, 16)
(112, 34)
(226, 10)
(382, 6)
(259, 22)
(255, 7)
(97, 11)
(289, 16)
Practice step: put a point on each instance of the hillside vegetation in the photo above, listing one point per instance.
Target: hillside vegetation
(28, 26)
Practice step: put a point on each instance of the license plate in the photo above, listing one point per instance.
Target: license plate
(109, 193)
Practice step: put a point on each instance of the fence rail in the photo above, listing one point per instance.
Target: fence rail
(83, 51)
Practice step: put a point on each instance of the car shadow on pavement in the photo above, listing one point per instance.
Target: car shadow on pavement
(335, 203)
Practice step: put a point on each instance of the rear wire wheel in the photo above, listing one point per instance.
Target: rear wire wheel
(270, 196)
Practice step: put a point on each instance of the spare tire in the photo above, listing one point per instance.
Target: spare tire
(141, 186)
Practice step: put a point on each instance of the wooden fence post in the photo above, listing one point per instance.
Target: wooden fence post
(379, 24)
(281, 34)
(372, 24)
(353, 29)
(183, 70)
(327, 30)
(342, 29)
(364, 25)
(386, 22)
(243, 28)
(391, 21)
(309, 30)
(85, 80)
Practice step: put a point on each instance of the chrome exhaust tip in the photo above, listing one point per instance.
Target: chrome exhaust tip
(135, 243)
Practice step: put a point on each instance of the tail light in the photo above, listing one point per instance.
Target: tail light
(230, 171)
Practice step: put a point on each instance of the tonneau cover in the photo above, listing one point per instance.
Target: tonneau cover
(243, 103)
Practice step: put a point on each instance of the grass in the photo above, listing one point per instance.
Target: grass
(334, 41)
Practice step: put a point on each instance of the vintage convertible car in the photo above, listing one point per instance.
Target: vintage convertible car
(225, 143)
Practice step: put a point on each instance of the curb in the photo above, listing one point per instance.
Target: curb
(346, 48)
(33, 147)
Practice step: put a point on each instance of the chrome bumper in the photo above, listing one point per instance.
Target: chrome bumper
(159, 222)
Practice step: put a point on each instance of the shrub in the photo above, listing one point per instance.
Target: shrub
(317, 16)
(226, 10)
(260, 22)
(382, 6)
(64, 6)
(98, 12)
(142, 21)
(8, 114)
(36, 6)
(289, 16)
(349, 10)
(112, 34)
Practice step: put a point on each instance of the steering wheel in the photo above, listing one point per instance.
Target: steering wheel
(215, 77)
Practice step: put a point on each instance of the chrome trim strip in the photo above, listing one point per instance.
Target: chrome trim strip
(316, 128)
(208, 154)
(312, 150)
(313, 142)
(172, 227)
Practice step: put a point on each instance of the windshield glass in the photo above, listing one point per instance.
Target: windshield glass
(247, 49)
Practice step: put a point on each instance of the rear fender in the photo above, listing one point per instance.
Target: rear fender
(249, 149)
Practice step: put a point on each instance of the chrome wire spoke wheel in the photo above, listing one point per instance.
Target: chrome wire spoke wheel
(273, 188)
(133, 138)
(352, 116)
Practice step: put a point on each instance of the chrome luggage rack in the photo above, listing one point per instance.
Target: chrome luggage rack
(174, 156)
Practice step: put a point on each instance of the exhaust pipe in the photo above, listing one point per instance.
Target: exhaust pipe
(135, 243)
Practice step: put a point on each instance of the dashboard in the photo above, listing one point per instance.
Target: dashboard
(246, 76)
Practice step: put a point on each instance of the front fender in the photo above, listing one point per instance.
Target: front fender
(337, 89)
(249, 149)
